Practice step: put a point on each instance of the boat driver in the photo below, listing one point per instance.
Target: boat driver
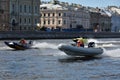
(23, 41)
(80, 43)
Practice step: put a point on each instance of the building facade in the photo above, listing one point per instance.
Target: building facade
(105, 22)
(4, 15)
(100, 20)
(115, 18)
(94, 21)
(56, 16)
(22, 14)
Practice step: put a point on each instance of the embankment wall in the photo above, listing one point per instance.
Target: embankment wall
(55, 35)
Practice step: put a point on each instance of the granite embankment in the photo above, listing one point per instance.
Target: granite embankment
(55, 35)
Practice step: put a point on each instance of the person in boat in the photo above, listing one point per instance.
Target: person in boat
(23, 41)
(80, 43)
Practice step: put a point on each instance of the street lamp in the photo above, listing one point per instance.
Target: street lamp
(38, 26)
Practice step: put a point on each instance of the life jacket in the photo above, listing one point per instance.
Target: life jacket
(76, 39)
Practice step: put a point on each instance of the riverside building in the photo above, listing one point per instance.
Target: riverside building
(19, 15)
(64, 16)
(100, 20)
(4, 15)
(115, 18)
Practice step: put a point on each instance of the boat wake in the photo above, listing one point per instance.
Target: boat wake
(112, 53)
(49, 49)
(111, 48)
(44, 45)
(5, 48)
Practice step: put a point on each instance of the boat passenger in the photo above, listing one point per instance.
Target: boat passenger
(80, 43)
(23, 41)
(83, 38)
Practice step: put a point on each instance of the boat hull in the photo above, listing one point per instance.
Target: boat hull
(18, 46)
(80, 51)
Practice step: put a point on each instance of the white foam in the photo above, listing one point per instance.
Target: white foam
(112, 53)
(44, 45)
(93, 40)
(4, 48)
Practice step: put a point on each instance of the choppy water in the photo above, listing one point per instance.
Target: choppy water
(46, 62)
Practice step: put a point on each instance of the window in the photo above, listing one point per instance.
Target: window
(53, 14)
(44, 22)
(20, 8)
(29, 21)
(64, 21)
(24, 28)
(59, 21)
(35, 9)
(29, 9)
(44, 14)
(48, 21)
(64, 14)
(59, 14)
(48, 14)
(35, 21)
(20, 20)
(53, 21)
(25, 20)
(25, 10)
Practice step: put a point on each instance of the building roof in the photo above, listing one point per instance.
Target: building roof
(53, 6)
(113, 10)
(116, 10)
(105, 12)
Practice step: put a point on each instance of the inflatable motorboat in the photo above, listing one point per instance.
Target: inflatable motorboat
(80, 51)
(19, 46)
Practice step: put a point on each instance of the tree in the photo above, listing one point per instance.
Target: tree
(43, 28)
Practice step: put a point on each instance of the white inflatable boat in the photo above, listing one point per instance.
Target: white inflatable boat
(80, 51)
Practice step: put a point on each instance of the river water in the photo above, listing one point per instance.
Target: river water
(46, 62)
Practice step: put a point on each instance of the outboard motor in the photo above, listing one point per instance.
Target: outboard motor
(91, 44)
